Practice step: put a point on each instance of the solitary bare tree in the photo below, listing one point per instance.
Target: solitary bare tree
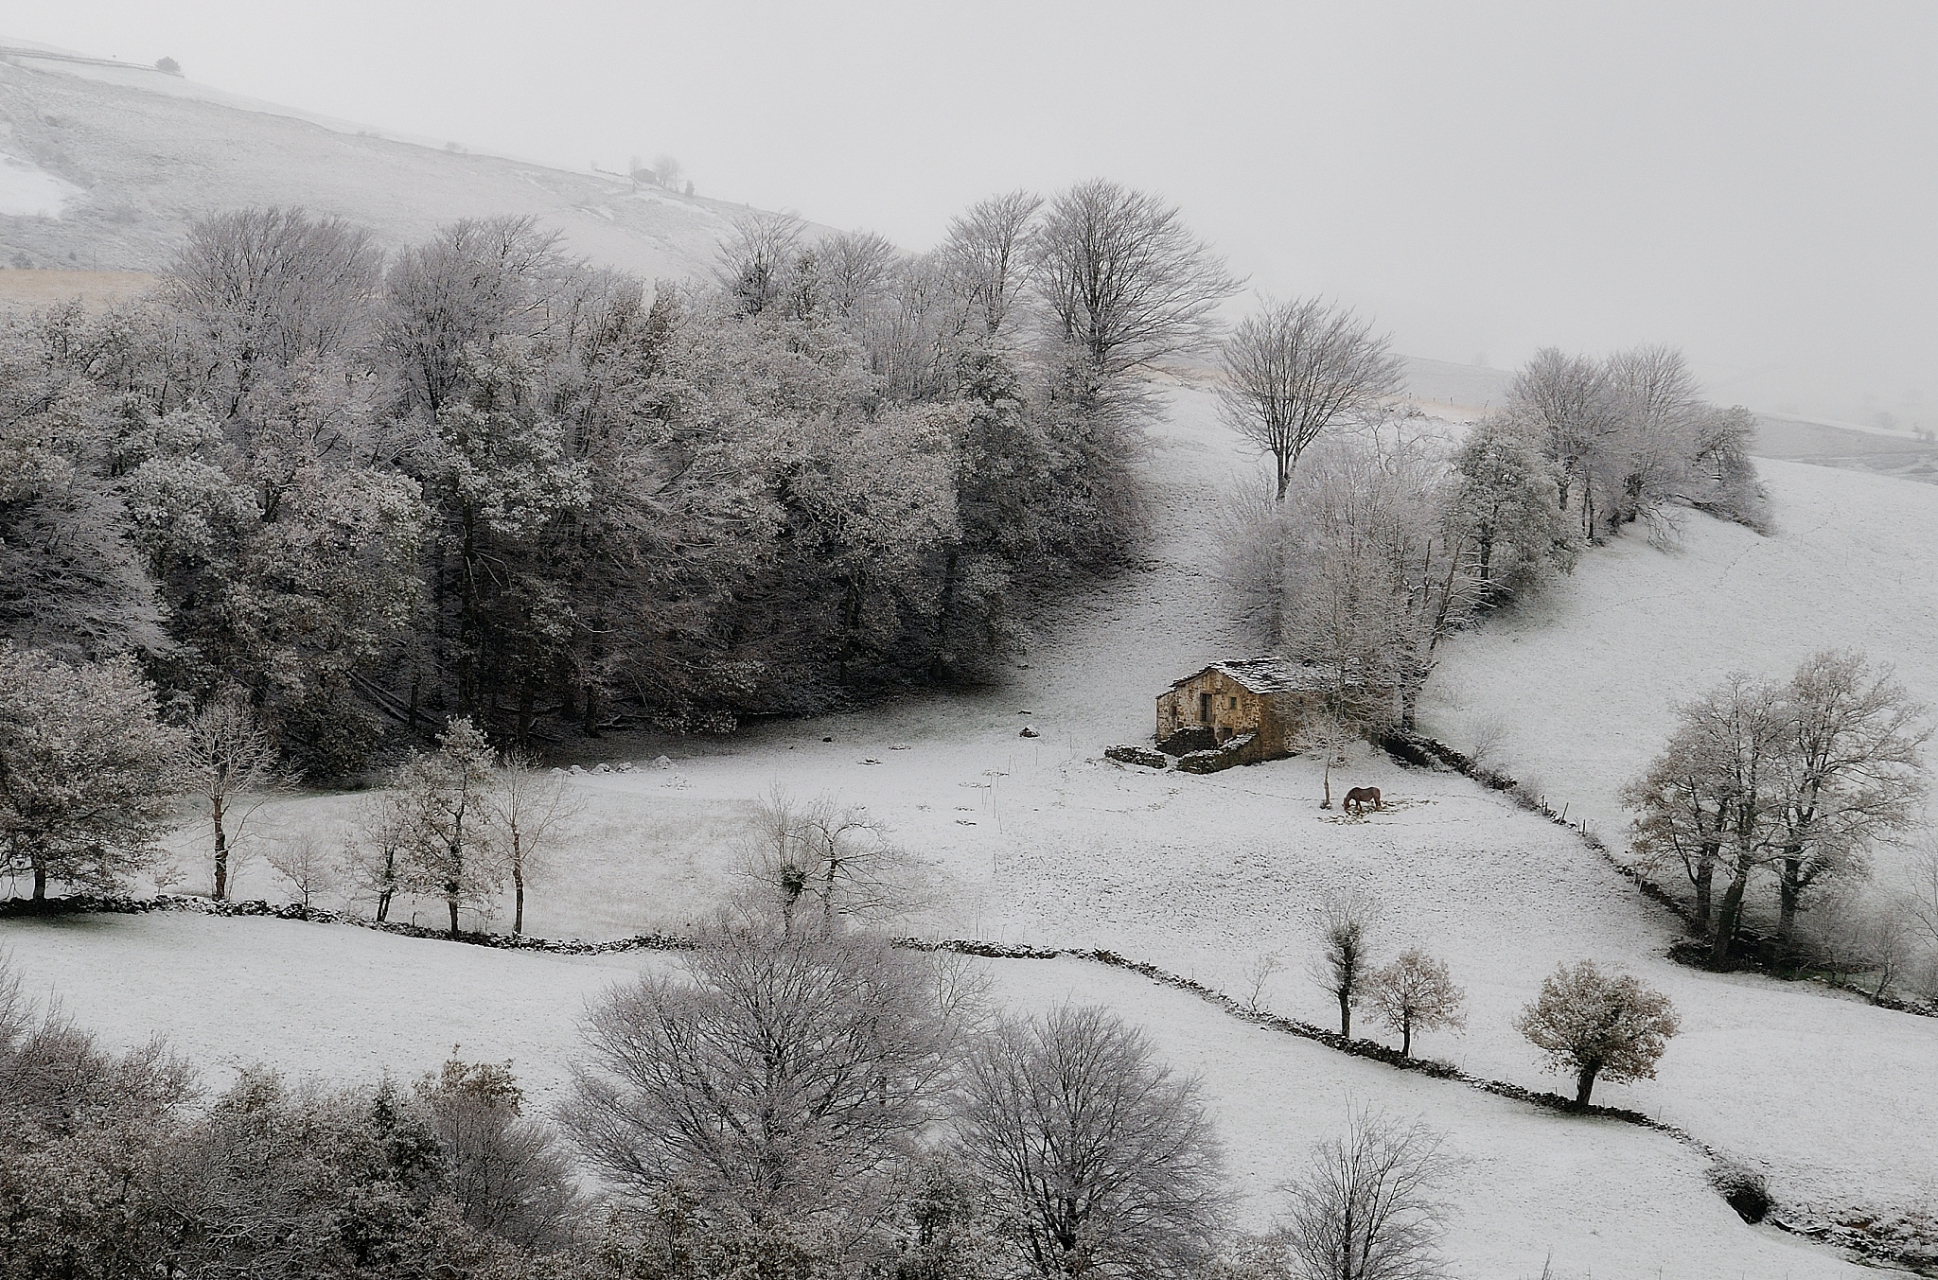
(836, 855)
(1367, 1206)
(1093, 1157)
(530, 812)
(1295, 369)
(228, 754)
(375, 848)
(1123, 278)
(1345, 920)
(1598, 1026)
(1415, 992)
(783, 1079)
(303, 860)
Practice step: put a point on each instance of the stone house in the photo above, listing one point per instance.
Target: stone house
(1269, 699)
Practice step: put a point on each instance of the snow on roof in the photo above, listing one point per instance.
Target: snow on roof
(1267, 675)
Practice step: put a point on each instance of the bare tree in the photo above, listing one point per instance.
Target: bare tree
(228, 754)
(668, 172)
(1597, 1026)
(1709, 799)
(1852, 771)
(1124, 281)
(857, 269)
(756, 262)
(303, 860)
(1295, 369)
(1094, 1158)
(1415, 992)
(1329, 734)
(1259, 972)
(986, 253)
(1345, 920)
(375, 851)
(836, 855)
(530, 812)
(1367, 1207)
(785, 1078)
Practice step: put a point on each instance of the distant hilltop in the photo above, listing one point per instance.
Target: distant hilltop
(105, 163)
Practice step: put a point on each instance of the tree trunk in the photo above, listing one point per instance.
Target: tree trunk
(1585, 1083)
(221, 852)
(40, 880)
(1406, 1036)
(1327, 778)
(518, 888)
(1728, 915)
(383, 905)
(1346, 1014)
(591, 721)
(1790, 887)
(453, 904)
(1705, 879)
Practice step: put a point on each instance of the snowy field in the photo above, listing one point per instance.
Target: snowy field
(1037, 840)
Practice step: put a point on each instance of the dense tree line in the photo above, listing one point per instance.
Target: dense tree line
(479, 477)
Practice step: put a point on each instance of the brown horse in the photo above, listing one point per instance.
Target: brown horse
(1356, 799)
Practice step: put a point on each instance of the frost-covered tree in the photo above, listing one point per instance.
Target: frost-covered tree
(759, 262)
(86, 770)
(987, 253)
(1708, 800)
(831, 857)
(1505, 506)
(228, 755)
(69, 581)
(376, 850)
(1123, 279)
(1598, 1026)
(1344, 922)
(1296, 368)
(782, 1080)
(446, 794)
(531, 812)
(1851, 772)
(263, 288)
(1799, 778)
(1093, 1157)
(1415, 993)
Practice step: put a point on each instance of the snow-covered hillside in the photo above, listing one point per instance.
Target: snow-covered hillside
(1576, 689)
(1038, 840)
(103, 168)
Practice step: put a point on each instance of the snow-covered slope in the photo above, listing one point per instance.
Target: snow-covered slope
(1577, 687)
(103, 168)
(1036, 839)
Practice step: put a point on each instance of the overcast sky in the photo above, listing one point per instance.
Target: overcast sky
(1756, 182)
